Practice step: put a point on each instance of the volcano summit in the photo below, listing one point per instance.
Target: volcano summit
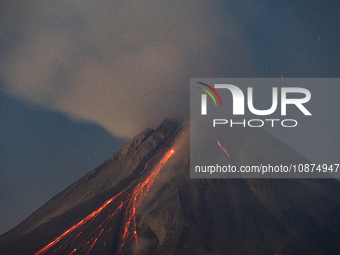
(142, 201)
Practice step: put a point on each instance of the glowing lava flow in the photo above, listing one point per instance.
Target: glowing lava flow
(129, 199)
(225, 151)
(81, 223)
(138, 194)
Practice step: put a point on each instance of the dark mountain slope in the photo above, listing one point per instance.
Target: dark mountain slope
(179, 215)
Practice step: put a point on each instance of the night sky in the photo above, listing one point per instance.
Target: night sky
(79, 78)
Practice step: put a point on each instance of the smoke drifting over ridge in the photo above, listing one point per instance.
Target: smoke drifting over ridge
(124, 65)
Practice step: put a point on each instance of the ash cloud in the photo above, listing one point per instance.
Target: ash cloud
(123, 64)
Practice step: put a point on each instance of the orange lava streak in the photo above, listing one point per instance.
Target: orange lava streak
(131, 200)
(225, 151)
(138, 194)
(80, 223)
(94, 242)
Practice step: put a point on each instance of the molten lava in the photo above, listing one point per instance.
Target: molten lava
(225, 151)
(125, 203)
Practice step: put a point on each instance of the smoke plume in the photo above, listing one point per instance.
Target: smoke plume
(121, 64)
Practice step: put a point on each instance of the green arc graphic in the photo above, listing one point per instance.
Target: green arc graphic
(208, 94)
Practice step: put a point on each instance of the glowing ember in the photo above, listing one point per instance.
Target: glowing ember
(225, 151)
(129, 200)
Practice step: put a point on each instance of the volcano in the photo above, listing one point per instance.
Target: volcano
(143, 201)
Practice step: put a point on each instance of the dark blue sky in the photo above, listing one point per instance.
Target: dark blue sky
(41, 153)
(124, 66)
